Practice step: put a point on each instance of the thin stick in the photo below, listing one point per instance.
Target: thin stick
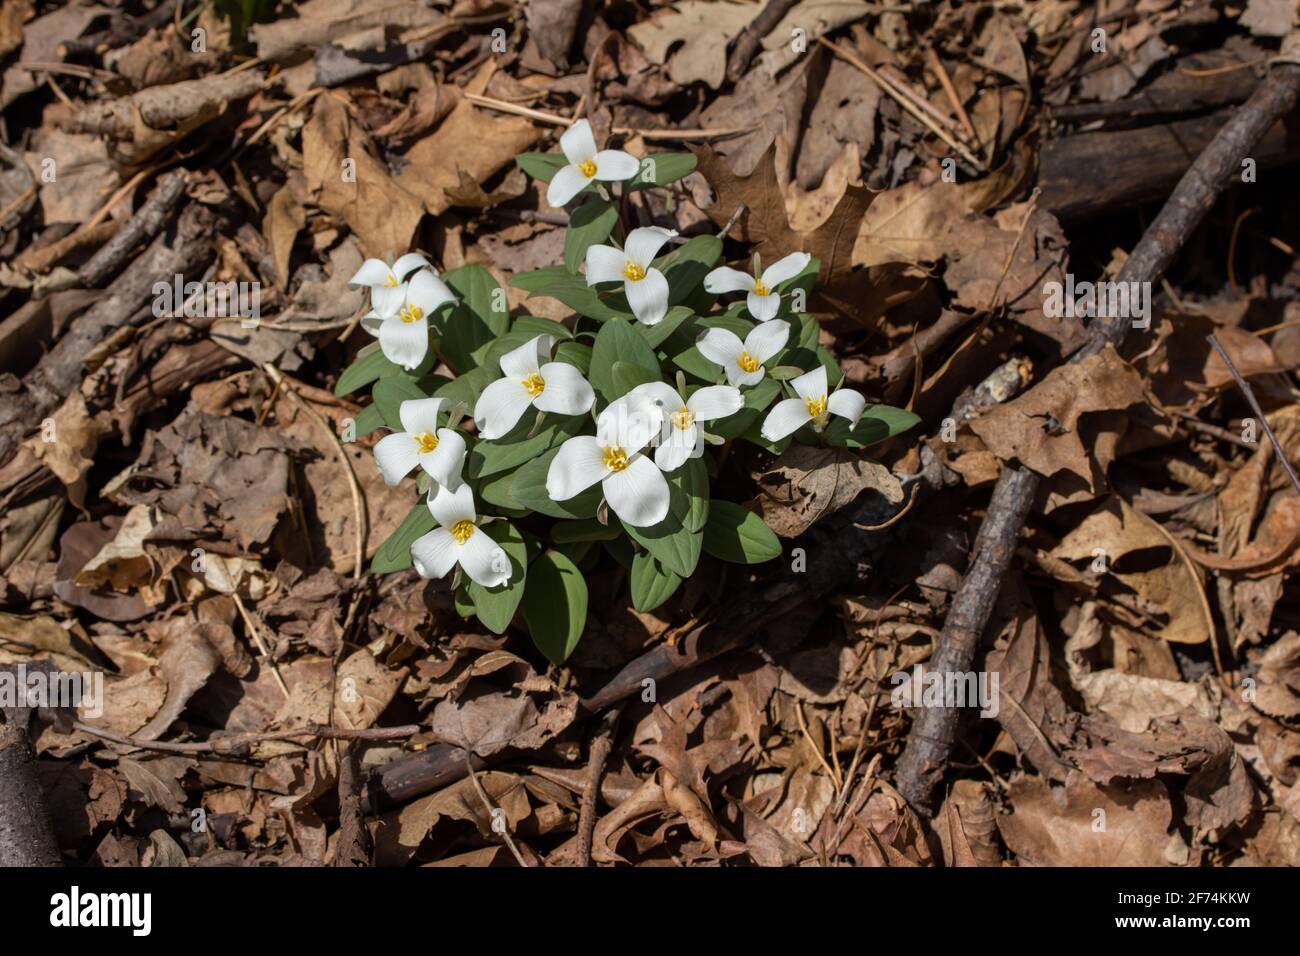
(600, 748)
(255, 633)
(1222, 434)
(1254, 406)
(227, 744)
(936, 67)
(528, 112)
(487, 802)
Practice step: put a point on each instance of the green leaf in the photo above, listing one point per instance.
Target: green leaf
(541, 166)
(624, 376)
(389, 393)
(368, 419)
(588, 529)
(557, 282)
(495, 607)
(529, 489)
(655, 334)
(555, 605)
(488, 458)
(395, 553)
(590, 224)
(687, 265)
(676, 541)
(738, 535)
(480, 317)
(370, 364)
(652, 584)
(617, 341)
(576, 354)
(465, 388)
(877, 423)
(756, 400)
(662, 169)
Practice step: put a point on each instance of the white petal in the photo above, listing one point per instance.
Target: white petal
(408, 263)
(386, 301)
(528, 358)
(484, 560)
(786, 268)
(644, 244)
(763, 307)
(420, 414)
(614, 165)
(500, 406)
(566, 392)
(371, 322)
(605, 264)
(638, 494)
(847, 404)
(785, 418)
(447, 461)
(720, 346)
(434, 554)
(658, 393)
(726, 279)
(811, 384)
(767, 339)
(680, 444)
(629, 422)
(577, 143)
(565, 184)
(372, 272)
(428, 292)
(648, 297)
(396, 455)
(404, 343)
(577, 466)
(715, 401)
(450, 507)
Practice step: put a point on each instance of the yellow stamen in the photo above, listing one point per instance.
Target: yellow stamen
(588, 168)
(615, 458)
(633, 272)
(411, 313)
(816, 406)
(426, 442)
(748, 363)
(760, 289)
(683, 418)
(461, 531)
(391, 282)
(534, 385)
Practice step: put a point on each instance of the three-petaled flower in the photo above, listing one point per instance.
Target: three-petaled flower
(387, 283)
(812, 405)
(587, 164)
(531, 380)
(633, 486)
(743, 361)
(646, 288)
(439, 451)
(459, 540)
(404, 334)
(680, 434)
(763, 300)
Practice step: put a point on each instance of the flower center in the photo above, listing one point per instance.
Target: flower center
(748, 363)
(426, 442)
(760, 289)
(534, 385)
(683, 418)
(461, 531)
(633, 272)
(615, 458)
(587, 168)
(391, 282)
(816, 406)
(411, 313)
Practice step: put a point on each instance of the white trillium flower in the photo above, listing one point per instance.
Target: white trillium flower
(646, 288)
(680, 434)
(530, 380)
(634, 487)
(459, 540)
(763, 300)
(586, 164)
(812, 405)
(439, 451)
(743, 361)
(404, 335)
(387, 283)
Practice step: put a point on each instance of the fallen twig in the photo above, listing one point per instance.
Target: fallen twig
(747, 43)
(601, 745)
(143, 226)
(1254, 406)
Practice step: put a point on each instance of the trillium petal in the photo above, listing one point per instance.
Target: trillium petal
(811, 384)
(450, 506)
(434, 554)
(715, 401)
(420, 414)
(629, 422)
(786, 268)
(396, 455)
(648, 297)
(720, 346)
(785, 418)
(577, 466)
(565, 184)
(726, 279)
(577, 143)
(371, 322)
(605, 264)
(428, 292)
(674, 450)
(643, 244)
(500, 406)
(528, 358)
(638, 494)
(566, 391)
(614, 165)
(408, 263)
(447, 461)
(847, 404)
(658, 393)
(484, 560)
(386, 301)
(763, 307)
(404, 343)
(765, 340)
(372, 272)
